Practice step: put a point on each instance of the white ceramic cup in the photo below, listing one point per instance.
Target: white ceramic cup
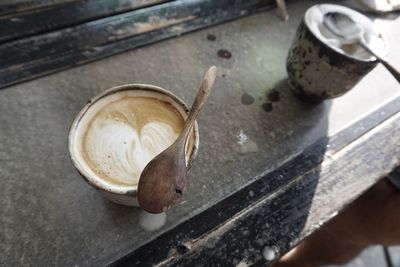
(122, 194)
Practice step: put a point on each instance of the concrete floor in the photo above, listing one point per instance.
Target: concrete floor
(374, 257)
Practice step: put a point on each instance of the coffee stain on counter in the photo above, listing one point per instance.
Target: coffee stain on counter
(267, 107)
(274, 96)
(247, 99)
(223, 53)
(211, 37)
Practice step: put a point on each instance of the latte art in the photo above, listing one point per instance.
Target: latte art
(119, 131)
(125, 133)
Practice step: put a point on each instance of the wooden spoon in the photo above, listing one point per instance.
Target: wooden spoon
(163, 180)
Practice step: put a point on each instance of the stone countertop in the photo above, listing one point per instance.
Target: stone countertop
(51, 216)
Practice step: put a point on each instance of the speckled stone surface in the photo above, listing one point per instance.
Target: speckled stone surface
(50, 216)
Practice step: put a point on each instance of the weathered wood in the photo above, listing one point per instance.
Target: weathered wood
(285, 205)
(39, 55)
(10, 6)
(52, 17)
(285, 217)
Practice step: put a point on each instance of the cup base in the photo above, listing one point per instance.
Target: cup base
(126, 200)
(308, 98)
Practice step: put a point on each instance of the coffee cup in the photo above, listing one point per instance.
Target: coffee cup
(120, 130)
(321, 65)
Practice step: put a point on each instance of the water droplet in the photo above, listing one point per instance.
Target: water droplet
(268, 253)
(152, 222)
(244, 144)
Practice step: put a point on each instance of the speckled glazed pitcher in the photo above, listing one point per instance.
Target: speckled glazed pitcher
(317, 71)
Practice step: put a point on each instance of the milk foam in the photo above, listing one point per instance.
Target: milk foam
(314, 21)
(121, 133)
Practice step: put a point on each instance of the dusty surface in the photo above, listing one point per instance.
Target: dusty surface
(50, 216)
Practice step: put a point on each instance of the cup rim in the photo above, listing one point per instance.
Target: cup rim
(100, 183)
(371, 60)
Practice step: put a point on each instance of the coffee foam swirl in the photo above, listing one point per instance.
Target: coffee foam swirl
(121, 136)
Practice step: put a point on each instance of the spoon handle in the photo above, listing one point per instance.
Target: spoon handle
(392, 69)
(389, 67)
(200, 99)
